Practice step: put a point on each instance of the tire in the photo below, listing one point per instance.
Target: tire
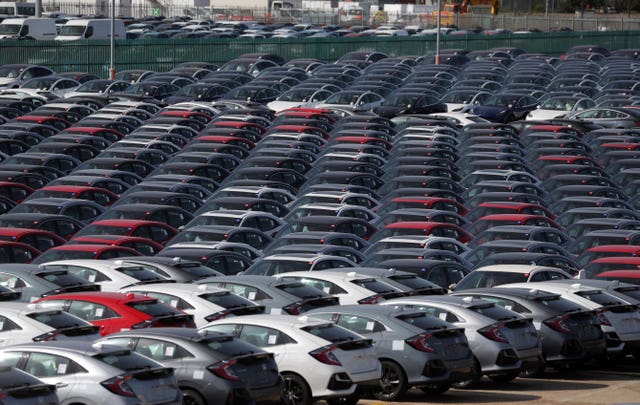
(435, 389)
(191, 397)
(510, 118)
(504, 378)
(393, 383)
(348, 400)
(474, 378)
(296, 391)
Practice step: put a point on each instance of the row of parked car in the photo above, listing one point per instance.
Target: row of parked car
(210, 251)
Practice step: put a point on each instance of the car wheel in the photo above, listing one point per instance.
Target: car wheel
(348, 400)
(510, 118)
(296, 391)
(393, 383)
(435, 389)
(190, 397)
(504, 378)
(474, 376)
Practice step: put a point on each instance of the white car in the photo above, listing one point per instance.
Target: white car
(418, 241)
(21, 322)
(305, 97)
(619, 318)
(556, 107)
(350, 287)
(205, 302)
(459, 118)
(316, 358)
(110, 275)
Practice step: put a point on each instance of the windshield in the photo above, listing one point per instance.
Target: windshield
(94, 86)
(558, 104)
(9, 29)
(501, 101)
(72, 31)
(482, 279)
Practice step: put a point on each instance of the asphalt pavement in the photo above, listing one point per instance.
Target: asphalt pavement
(618, 384)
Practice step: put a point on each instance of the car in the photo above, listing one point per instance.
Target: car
(492, 275)
(172, 216)
(156, 231)
(350, 287)
(143, 246)
(448, 353)
(85, 251)
(60, 225)
(618, 316)
(224, 261)
(219, 233)
(83, 370)
(521, 232)
(559, 261)
(503, 342)
(570, 333)
(327, 238)
(284, 263)
(17, 387)
(506, 107)
(209, 366)
(407, 228)
(173, 268)
(262, 221)
(79, 209)
(101, 196)
(34, 281)
(25, 323)
(622, 276)
(278, 296)
(113, 312)
(109, 275)
(330, 349)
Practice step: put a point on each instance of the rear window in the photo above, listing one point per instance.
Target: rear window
(494, 312)
(154, 308)
(331, 332)
(302, 291)
(600, 297)
(633, 292)
(413, 282)
(126, 360)
(229, 346)
(479, 279)
(423, 321)
(57, 319)
(62, 278)
(558, 304)
(374, 285)
(227, 300)
(140, 273)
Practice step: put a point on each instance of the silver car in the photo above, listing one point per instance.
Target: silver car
(23, 323)
(95, 374)
(619, 318)
(416, 350)
(503, 342)
(316, 358)
(20, 388)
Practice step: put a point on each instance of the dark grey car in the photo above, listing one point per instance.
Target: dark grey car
(211, 367)
(20, 388)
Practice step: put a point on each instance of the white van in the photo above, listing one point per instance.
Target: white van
(28, 28)
(83, 28)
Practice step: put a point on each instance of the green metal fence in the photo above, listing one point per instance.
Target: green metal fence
(163, 54)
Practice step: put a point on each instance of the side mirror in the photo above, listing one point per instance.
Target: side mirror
(452, 286)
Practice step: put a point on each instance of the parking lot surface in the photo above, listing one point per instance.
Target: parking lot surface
(616, 385)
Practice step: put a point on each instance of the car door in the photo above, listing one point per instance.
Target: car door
(52, 369)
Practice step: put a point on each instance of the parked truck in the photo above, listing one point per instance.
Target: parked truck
(91, 28)
(28, 28)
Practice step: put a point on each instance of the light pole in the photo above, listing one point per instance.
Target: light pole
(438, 33)
(112, 43)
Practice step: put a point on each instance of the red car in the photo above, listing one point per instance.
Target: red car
(425, 228)
(36, 238)
(602, 251)
(85, 251)
(156, 231)
(603, 264)
(624, 276)
(144, 246)
(16, 192)
(99, 195)
(114, 312)
(16, 252)
(509, 207)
